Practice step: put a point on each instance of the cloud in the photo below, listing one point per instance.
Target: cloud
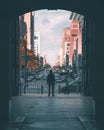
(50, 24)
(45, 21)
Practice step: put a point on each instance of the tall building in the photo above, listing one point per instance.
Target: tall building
(22, 27)
(26, 35)
(76, 33)
(60, 54)
(27, 19)
(72, 43)
(59, 58)
(78, 23)
(32, 32)
(44, 59)
(37, 43)
(41, 62)
(65, 44)
(26, 29)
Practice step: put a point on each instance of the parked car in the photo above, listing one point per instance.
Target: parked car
(30, 78)
(64, 89)
(71, 87)
(38, 77)
(58, 81)
(44, 77)
(34, 75)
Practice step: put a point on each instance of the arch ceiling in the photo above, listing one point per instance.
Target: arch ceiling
(84, 7)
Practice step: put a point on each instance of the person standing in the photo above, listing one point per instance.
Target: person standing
(51, 82)
(42, 88)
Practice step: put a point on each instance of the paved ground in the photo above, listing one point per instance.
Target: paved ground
(61, 112)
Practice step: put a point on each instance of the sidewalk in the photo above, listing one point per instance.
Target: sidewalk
(62, 112)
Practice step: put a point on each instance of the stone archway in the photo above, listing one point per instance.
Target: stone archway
(17, 8)
(23, 8)
(78, 7)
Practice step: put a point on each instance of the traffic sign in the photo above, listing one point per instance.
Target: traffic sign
(26, 58)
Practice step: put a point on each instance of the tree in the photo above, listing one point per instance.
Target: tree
(47, 65)
(32, 60)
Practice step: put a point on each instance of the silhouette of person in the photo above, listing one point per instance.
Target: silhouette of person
(51, 82)
(42, 88)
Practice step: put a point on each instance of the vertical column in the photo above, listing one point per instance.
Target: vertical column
(93, 57)
(89, 56)
(4, 69)
(14, 52)
(85, 55)
(99, 45)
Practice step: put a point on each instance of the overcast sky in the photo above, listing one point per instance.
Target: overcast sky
(50, 24)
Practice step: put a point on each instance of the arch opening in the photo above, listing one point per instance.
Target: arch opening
(31, 63)
(51, 39)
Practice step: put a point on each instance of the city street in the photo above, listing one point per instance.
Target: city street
(34, 86)
(64, 83)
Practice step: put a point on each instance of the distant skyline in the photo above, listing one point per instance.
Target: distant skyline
(50, 24)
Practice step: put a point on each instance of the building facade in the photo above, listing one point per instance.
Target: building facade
(72, 44)
(37, 43)
(27, 19)
(65, 44)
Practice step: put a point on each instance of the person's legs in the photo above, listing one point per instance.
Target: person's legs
(53, 90)
(49, 90)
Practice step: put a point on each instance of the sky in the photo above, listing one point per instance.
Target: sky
(50, 24)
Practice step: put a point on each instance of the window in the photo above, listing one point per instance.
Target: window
(74, 26)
